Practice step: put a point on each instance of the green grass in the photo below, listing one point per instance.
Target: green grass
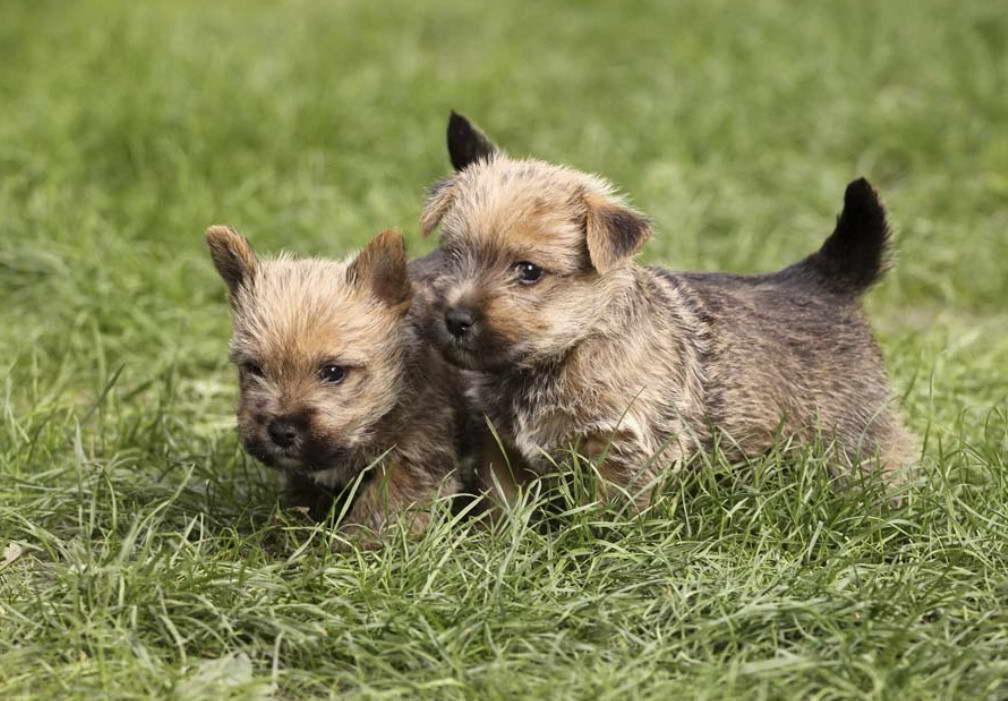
(155, 560)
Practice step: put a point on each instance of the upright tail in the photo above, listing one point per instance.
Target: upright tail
(854, 257)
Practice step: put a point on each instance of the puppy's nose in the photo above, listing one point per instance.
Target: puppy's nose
(282, 432)
(459, 320)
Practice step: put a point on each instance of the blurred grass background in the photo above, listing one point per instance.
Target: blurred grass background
(127, 128)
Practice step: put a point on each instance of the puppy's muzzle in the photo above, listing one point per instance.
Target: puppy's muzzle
(460, 322)
(282, 432)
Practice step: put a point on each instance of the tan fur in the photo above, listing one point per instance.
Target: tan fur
(394, 406)
(640, 367)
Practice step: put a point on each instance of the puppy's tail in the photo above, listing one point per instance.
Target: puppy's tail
(855, 256)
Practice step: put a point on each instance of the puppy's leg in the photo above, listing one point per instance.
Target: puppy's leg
(397, 490)
(628, 469)
(899, 454)
(499, 476)
(898, 451)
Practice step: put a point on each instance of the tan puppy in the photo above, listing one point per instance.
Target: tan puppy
(574, 343)
(333, 379)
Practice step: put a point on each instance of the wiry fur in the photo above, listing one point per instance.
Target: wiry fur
(396, 404)
(640, 366)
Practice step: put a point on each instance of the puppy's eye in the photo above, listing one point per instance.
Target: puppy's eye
(252, 369)
(528, 273)
(333, 374)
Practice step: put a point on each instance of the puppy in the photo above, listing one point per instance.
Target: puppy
(333, 380)
(573, 343)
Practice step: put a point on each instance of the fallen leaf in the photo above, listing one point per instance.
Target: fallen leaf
(11, 553)
(217, 677)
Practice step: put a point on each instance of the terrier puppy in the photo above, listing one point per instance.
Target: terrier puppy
(334, 379)
(574, 343)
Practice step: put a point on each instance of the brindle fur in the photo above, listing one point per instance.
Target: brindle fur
(396, 408)
(642, 367)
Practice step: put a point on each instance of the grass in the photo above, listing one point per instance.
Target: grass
(153, 558)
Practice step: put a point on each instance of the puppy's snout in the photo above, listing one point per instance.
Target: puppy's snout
(283, 432)
(459, 321)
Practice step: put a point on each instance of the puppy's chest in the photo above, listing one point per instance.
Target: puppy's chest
(544, 435)
(540, 435)
(544, 423)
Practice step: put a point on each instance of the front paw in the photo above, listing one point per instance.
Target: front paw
(305, 496)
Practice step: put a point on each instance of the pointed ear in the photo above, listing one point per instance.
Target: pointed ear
(440, 201)
(232, 256)
(613, 231)
(466, 143)
(381, 267)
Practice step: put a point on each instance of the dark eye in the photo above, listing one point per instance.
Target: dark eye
(528, 273)
(252, 369)
(332, 373)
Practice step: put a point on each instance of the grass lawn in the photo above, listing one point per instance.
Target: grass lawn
(149, 555)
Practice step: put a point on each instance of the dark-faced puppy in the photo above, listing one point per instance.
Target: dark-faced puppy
(333, 378)
(572, 342)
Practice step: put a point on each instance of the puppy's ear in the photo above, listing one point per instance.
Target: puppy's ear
(466, 143)
(232, 256)
(440, 201)
(613, 231)
(381, 268)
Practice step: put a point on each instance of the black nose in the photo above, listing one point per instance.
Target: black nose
(282, 432)
(459, 320)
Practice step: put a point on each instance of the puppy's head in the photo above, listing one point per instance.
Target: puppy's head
(319, 347)
(533, 253)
